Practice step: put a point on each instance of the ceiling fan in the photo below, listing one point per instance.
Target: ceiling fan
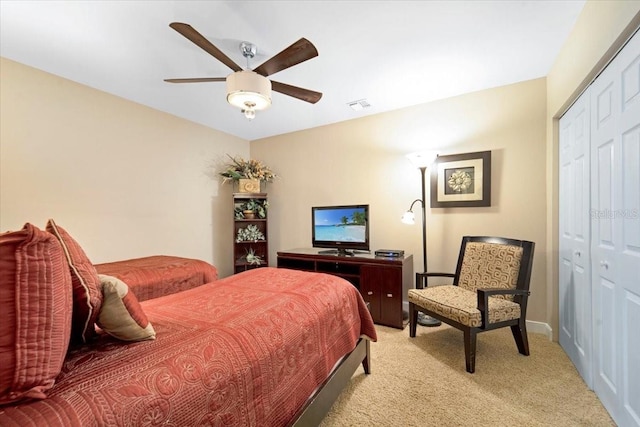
(250, 90)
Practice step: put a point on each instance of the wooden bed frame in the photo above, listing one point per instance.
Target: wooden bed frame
(319, 404)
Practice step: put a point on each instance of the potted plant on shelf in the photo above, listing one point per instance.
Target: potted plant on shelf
(252, 258)
(251, 209)
(250, 234)
(248, 175)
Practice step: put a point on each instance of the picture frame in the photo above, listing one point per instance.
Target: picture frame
(461, 180)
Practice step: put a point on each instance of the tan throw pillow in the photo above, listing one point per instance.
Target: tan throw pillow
(35, 307)
(87, 296)
(121, 315)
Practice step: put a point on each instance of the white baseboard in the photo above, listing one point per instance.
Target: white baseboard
(540, 328)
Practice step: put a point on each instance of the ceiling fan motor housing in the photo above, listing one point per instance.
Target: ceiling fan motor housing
(248, 90)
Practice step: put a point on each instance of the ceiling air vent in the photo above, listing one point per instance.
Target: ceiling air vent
(359, 104)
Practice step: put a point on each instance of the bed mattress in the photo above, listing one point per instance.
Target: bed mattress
(159, 275)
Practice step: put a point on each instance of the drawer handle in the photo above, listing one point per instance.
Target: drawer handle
(390, 295)
(370, 293)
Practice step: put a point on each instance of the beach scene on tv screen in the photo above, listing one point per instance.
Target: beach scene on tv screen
(340, 225)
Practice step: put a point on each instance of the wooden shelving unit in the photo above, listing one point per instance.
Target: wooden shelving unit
(241, 248)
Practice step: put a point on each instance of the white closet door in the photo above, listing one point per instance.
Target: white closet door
(575, 279)
(615, 234)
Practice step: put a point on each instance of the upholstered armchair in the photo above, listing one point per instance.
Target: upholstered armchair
(490, 290)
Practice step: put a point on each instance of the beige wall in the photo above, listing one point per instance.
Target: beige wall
(125, 180)
(600, 31)
(363, 161)
(129, 181)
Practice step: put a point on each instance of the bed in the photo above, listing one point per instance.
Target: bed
(267, 347)
(159, 275)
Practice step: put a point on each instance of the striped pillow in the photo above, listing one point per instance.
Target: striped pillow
(35, 302)
(121, 315)
(87, 293)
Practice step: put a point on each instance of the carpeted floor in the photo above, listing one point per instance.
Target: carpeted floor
(422, 382)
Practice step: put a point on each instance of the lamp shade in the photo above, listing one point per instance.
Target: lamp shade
(422, 159)
(248, 90)
(408, 218)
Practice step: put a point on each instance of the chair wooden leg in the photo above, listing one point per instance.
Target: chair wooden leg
(519, 332)
(470, 349)
(413, 320)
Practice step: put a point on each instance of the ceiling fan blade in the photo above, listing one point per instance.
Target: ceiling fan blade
(190, 33)
(298, 52)
(197, 80)
(297, 92)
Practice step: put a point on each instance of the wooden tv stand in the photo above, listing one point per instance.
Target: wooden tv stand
(383, 282)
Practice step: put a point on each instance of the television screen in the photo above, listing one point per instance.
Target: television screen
(342, 228)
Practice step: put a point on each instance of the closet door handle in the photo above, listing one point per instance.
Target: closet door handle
(604, 264)
(577, 253)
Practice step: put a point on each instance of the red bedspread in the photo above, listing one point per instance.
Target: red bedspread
(247, 350)
(160, 275)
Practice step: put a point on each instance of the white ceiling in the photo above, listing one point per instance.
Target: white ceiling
(392, 53)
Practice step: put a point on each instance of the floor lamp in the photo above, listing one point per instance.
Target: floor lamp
(422, 161)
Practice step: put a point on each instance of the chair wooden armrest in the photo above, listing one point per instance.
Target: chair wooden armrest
(422, 278)
(483, 300)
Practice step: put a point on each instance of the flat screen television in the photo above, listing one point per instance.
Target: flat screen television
(343, 229)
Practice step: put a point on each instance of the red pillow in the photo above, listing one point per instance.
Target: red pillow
(35, 302)
(87, 293)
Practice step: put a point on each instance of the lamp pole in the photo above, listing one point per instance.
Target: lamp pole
(422, 161)
(424, 221)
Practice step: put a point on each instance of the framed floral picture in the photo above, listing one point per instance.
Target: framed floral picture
(461, 180)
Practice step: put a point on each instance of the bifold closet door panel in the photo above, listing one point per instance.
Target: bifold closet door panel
(575, 330)
(628, 227)
(615, 234)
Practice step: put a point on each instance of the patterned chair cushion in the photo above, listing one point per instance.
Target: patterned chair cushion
(460, 305)
(489, 265)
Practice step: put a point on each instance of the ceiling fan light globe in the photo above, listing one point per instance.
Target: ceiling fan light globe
(247, 88)
(249, 113)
